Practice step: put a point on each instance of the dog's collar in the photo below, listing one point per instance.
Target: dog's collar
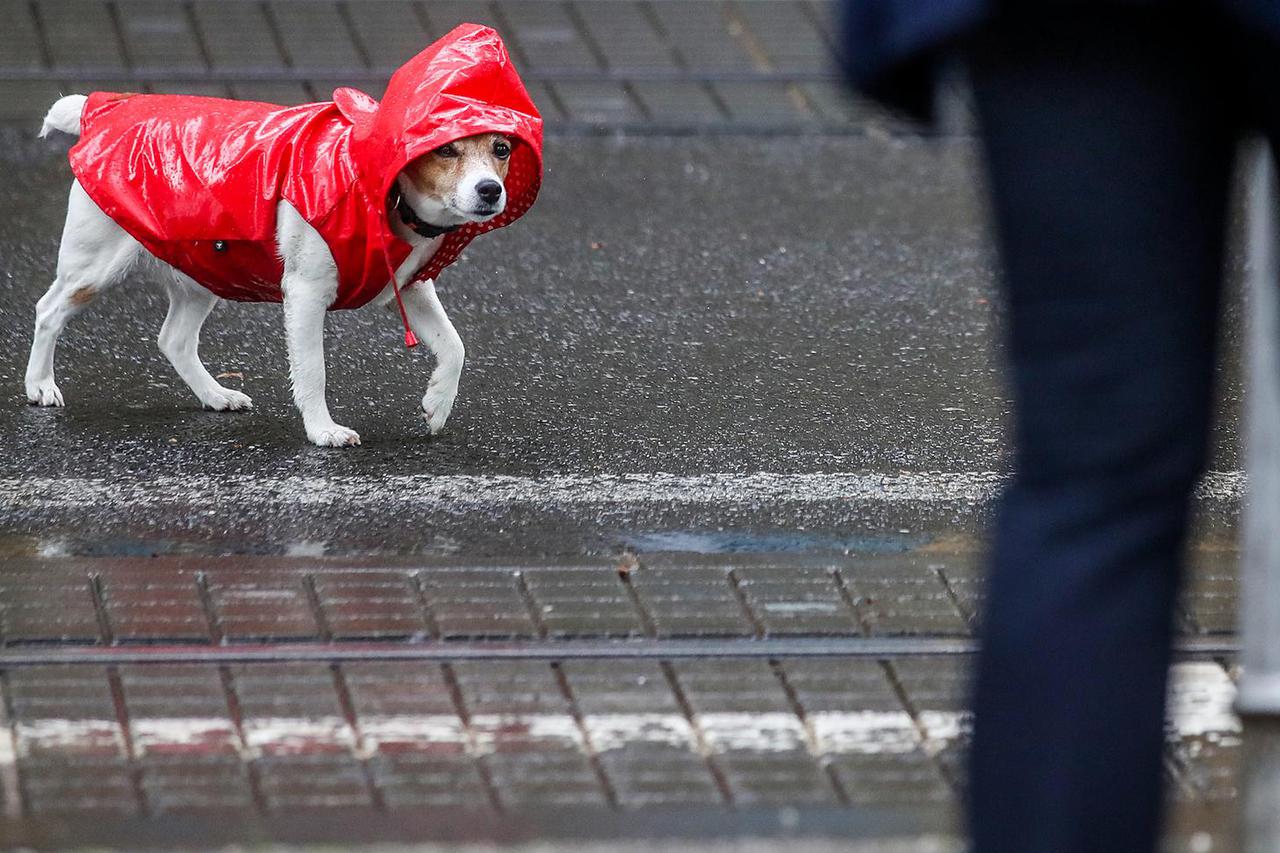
(397, 202)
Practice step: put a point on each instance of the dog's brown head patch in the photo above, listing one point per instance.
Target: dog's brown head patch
(436, 174)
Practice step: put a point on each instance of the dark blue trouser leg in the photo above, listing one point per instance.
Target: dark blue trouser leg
(1109, 146)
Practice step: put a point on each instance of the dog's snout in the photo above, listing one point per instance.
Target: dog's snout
(489, 191)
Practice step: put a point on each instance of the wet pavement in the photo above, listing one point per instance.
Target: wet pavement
(684, 697)
(629, 379)
(804, 391)
(697, 556)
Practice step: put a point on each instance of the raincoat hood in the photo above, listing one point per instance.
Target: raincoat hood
(462, 85)
(198, 180)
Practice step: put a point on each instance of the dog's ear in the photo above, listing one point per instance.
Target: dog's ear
(356, 106)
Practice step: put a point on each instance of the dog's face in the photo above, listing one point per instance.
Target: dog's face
(459, 182)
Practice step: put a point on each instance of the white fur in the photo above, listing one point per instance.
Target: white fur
(460, 205)
(431, 324)
(189, 305)
(64, 115)
(96, 253)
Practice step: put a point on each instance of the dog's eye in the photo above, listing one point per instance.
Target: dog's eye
(447, 150)
(501, 149)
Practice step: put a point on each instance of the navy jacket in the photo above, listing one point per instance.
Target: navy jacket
(891, 46)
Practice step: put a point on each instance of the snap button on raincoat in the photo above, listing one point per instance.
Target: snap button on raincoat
(197, 180)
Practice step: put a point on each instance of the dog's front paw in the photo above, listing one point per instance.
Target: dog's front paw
(437, 403)
(334, 436)
(44, 394)
(227, 400)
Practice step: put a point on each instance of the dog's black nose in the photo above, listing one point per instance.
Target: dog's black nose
(489, 191)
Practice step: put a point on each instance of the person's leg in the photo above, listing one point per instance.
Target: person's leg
(1259, 57)
(1109, 151)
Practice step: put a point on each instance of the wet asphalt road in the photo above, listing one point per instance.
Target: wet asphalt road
(720, 305)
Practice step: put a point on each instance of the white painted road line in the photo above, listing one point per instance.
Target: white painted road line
(462, 492)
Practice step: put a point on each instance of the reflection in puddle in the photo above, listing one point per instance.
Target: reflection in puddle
(778, 542)
(68, 545)
(306, 548)
(741, 541)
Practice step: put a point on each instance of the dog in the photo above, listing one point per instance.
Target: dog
(354, 213)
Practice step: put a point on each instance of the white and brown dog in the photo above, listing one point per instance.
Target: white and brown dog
(449, 191)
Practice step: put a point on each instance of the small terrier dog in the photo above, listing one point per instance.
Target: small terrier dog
(322, 206)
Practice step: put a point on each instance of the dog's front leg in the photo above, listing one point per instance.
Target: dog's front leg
(430, 322)
(309, 286)
(305, 302)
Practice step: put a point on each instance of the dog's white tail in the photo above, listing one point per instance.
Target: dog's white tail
(64, 115)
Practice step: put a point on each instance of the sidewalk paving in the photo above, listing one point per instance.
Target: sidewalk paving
(161, 688)
(591, 64)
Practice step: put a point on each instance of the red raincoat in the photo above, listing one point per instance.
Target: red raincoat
(197, 180)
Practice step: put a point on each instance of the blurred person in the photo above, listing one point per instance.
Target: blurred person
(1109, 131)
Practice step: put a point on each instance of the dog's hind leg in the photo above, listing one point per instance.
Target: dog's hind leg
(95, 254)
(189, 305)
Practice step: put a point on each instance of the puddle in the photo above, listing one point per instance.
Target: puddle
(69, 544)
(776, 542)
